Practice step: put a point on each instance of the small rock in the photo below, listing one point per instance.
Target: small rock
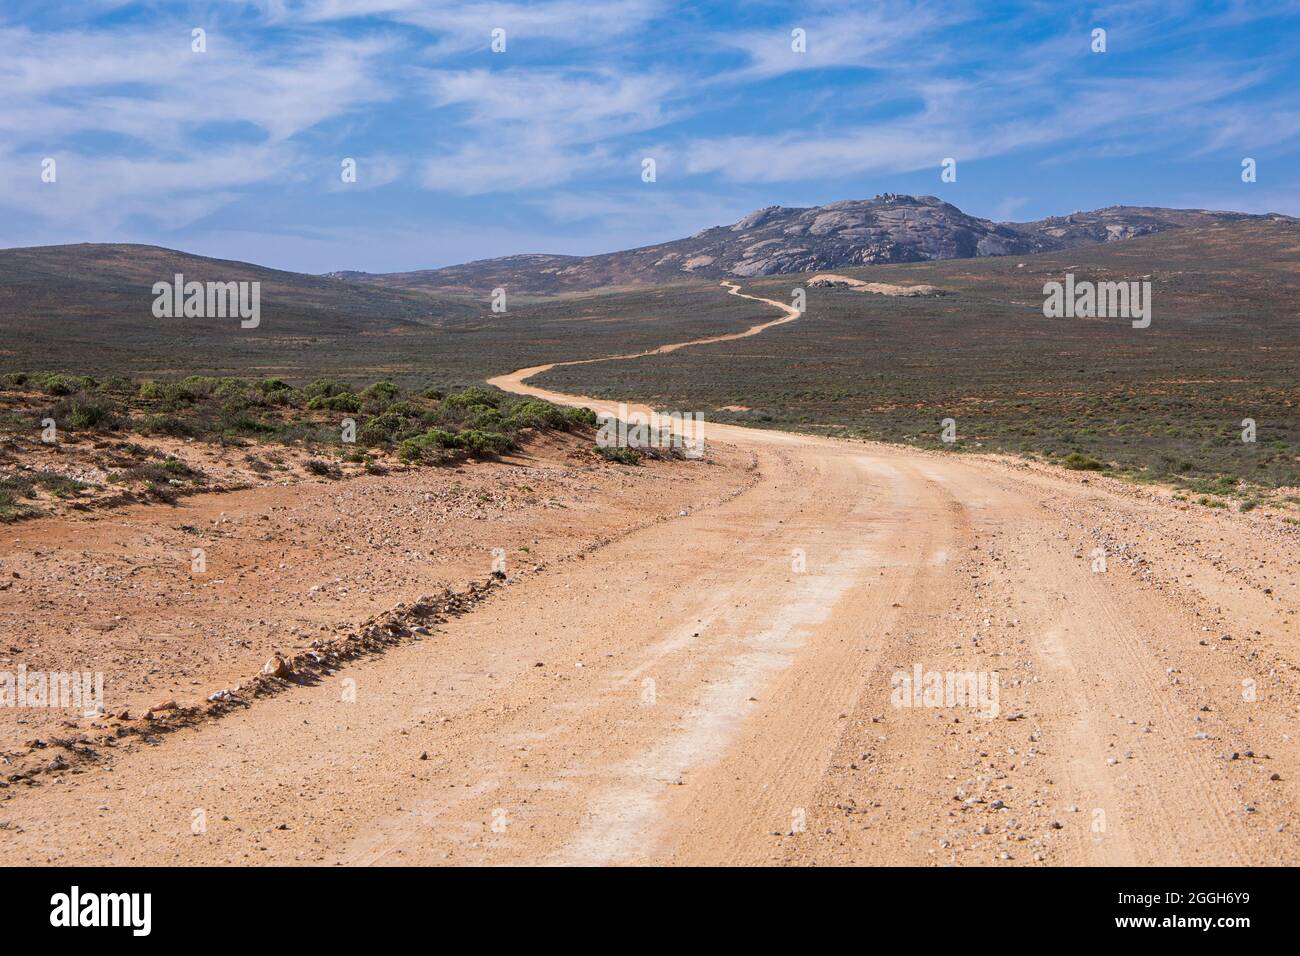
(277, 666)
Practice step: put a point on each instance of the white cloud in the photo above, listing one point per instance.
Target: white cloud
(884, 38)
(468, 26)
(981, 119)
(148, 90)
(513, 161)
(577, 106)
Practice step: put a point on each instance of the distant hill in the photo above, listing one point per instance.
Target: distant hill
(87, 306)
(776, 240)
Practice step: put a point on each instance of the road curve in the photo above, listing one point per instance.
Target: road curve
(517, 381)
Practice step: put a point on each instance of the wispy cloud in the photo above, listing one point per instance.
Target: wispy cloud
(879, 38)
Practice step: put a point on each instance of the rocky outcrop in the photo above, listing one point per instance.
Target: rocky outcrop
(778, 239)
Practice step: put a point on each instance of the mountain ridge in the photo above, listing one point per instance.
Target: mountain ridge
(777, 240)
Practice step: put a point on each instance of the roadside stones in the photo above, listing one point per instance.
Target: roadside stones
(277, 666)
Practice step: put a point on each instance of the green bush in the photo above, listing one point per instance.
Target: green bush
(166, 425)
(536, 414)
(340, 402)
(323, 468)
(56, 384)
(325, 387)
(383, 390)
(624, 456)
(1077, 462)
(405, 409)
(413, 449)
(17, 485)
(481, 443)
(469, 397)
(175, 468)
(486, 419)
(236, 418)
(93, 413)
(11, 509)
(380, 429)
(581, 416)
(61, 486)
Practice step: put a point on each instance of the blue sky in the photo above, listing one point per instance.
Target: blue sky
(467, 153)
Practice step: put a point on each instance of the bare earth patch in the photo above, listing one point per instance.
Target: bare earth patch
(286, 564)
(830, 280)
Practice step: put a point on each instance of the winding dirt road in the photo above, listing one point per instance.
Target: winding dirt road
(721, 688)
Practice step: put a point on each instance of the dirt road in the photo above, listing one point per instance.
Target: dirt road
(724, 687)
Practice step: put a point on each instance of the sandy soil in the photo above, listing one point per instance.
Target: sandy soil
(720, 686)
(879, 288)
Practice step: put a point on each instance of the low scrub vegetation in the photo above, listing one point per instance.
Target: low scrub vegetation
(423, 425)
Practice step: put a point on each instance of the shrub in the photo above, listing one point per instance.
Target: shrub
(442, 438)
(478, 442)
(175, 468)
(323, 468)
(380, 429)
(340, 402)
(581, 416)
(325, 387)
(235, 417)
(413, 449)
(17, 486)
(384, 391)
(1077, 462)
(11, 509)
(92, 413)
(405, 409)
(418, 448)
(61, 486)
(469, 397)
(487, 419)
(166, 425)
(276, 392)
(536, 414)
(624, 456)
(56, 384)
